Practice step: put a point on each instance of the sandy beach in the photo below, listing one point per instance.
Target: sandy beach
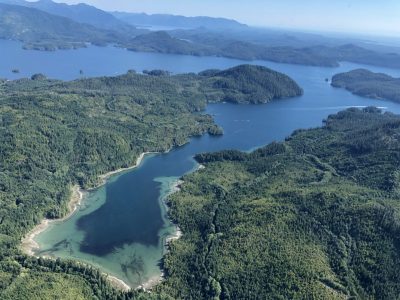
(117, 283)
(28, 243)
(175, 187)
(149, 284)
(178, 234)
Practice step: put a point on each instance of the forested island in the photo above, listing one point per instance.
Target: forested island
(57, 134)
(314, 217)
(46, 25)
(368, 84)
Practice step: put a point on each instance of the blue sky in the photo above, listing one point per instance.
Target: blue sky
(366, 16)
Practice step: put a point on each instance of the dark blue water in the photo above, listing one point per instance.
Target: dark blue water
(110, 61)
(122, 212)
(124, 223)
(96, 61)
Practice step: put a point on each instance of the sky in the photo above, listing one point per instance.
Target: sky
(358, 16)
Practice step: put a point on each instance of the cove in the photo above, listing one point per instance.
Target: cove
(121, 227)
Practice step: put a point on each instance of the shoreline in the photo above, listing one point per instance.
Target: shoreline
(152, 282)
(117, 283)
(104, 177)
(29, 245)
(174, 187)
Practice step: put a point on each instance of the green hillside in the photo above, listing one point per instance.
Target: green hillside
(314, 217)
(42, 31)
(368, 84)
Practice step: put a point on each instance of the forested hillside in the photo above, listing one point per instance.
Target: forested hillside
(368, 84)
(162, 42)
(56, 134)
(314, 217)
(43, 31)
(81, 13)
(175, 21)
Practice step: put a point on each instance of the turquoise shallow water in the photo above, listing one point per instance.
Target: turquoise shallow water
(121, 227)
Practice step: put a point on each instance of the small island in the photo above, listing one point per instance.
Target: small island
(365, 83)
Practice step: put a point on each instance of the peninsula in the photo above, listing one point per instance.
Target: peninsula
(368, 84)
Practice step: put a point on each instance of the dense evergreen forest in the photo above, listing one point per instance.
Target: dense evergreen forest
(313, 217)
(368, 84)
(56, 134)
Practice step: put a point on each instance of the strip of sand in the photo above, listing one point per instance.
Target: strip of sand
(153, 281)
(28, 244)
(103, 178)
(118, 283)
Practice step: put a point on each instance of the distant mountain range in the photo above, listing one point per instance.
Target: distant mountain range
(43, 31)
(122, 21)
(81, 13)
(46, 25)
(163, 20)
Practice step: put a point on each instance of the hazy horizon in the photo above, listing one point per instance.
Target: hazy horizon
(368, 17)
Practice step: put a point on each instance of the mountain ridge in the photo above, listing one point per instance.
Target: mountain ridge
(81, 13)
(178, 21)
(43, 31)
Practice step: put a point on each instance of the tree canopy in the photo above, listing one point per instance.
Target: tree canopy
(56, 134)
(314, 217)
